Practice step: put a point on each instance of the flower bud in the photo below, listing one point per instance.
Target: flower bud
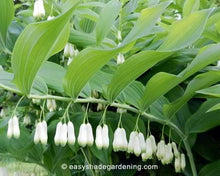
(153, 143)
(26, 120)
(100, 107)
(71, 133)
(37, 134)
(121, 110)
(98, 139)
(2, 113)
(120, 58)
(161, 150)
(175, 150)
(105, 136)
(69, 60)
(39, 10)
(119, 36)
(131, 142)
(177, 164)
(58, 134)
(10, 128)
(36, 101)
(82, 138)
(16, 129)
(90, 138)
(63, 135)
(183, 161)
(50, 18)
(43, 134)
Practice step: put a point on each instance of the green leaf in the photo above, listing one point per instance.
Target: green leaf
(6, 16)
(145, 22)
(132, 69)
(83, 67)
(161, 83)
(213, 91)
(212, 169)
(188, 31)
(199, 82)
(36, 44)
(190, 6)
(106, 19)
(53, 75)
(39, 87)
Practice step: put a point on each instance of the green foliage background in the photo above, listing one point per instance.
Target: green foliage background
(169, 76)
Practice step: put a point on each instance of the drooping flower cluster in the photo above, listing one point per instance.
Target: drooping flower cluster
(65, 133)
(41, 133)
(39, 11)
(13, 128)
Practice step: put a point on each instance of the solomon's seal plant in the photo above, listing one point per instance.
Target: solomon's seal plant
(131, 82)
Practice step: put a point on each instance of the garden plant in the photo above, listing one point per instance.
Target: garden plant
(90, 87)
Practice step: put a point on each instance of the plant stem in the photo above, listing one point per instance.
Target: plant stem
(130, 108)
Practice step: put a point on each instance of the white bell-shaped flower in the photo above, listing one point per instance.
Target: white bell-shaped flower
(177, 164)
(175, 150)
(51, 105)
(71, 133)
(39, 10)
(69, 50)
(16, 129)
(90, 138)
(183, 161)
(69, 60)
(10, 129)
(120, 58)
(168, 157)
(149, 148)
(153, 144)
(131, 142)
(124, 145)
(117, 141)
(142, 142)
(58, 134)
(137, 146)
(105, 136)
(63, 135)
(98, 138)
(82, 138)
(43, 133)
(37, 133)
(161, 150)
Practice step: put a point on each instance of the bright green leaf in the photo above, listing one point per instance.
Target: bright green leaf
(190, 6)
(6, 16)
(106, 19)
(188, 31)
(36, 44)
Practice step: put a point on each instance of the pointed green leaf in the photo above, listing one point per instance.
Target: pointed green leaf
(188, 31)
(213, 91)
(202, 121)
(190, 6)
(161, 83)
(36, 44)
(199, 82)
(146, 22)
(132, 69)
(6, 16)
(211, 169)
(106, 19)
